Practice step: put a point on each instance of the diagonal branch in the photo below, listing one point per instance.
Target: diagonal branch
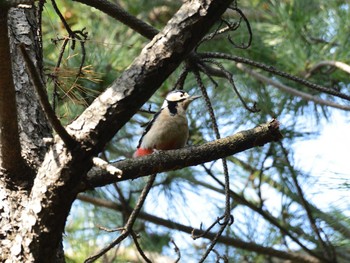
(62, 172)
(275, 71)
(175, 159)
(113, 108)
(127, 229)
(290, 90)
(230, 241)
(117, 12)
(44, 101)
(326, 247)
(328, 63)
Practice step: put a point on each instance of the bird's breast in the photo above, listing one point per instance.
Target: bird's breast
(167, 132)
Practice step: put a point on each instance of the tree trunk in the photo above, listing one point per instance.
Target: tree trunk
(33, 214)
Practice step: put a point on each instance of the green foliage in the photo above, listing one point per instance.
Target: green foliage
(292, 36)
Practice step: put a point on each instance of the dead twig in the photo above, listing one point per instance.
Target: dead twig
(44, 101)
(127, 229)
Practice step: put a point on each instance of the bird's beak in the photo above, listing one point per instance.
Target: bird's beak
(192, 98)
(189, 100)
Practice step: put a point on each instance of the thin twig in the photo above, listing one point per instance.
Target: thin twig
(44, 101)
(326, 248)
(291, 90)
(227, 215)
(177, 251)
(129, 224)
(328, 63)
(250, 33)
(203, 234)
(274, 71)
(268, 217)
(229, 77)
(138, 246)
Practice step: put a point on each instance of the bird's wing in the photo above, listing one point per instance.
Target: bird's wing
(148, 127)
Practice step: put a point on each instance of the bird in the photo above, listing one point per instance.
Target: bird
(168, 128)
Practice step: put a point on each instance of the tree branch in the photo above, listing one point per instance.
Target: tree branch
(175, 159)
(44, 101)
(113, 108)
(117, 12)
(285, 229)
(250, 246)
(275, 71)
(62, 172)
(290, 90)
(127, 229)
(330, 63)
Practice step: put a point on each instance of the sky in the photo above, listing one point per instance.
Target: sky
(327, 159)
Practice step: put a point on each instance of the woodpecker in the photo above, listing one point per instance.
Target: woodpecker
(169, 127)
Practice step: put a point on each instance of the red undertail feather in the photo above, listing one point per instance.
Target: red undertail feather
(142, 152)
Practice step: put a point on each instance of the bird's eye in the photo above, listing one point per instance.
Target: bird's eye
(181, 95)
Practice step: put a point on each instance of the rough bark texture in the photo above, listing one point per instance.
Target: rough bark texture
(10, 149)
(40, 225)
(33, 125)
(33, 128)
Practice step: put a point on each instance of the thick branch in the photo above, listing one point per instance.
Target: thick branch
(112, 109)
(176, 159)
(59, 178)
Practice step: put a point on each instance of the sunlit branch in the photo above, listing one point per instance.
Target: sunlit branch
(175, 159)
(291, 90)
(274, 71)
(328, 63)
(106, 166)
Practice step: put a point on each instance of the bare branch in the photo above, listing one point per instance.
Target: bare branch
(249, 246)
(129, 224)
(291, 90)
(106, 166)
(275, 71)
(177, 251)
(117, 12)
(175, 159)
(328, 63)
(44, 101)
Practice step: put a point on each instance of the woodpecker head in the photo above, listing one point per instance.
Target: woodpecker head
(178, 100)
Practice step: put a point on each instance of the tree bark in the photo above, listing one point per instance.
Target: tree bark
(10, 148)
(40, 217)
